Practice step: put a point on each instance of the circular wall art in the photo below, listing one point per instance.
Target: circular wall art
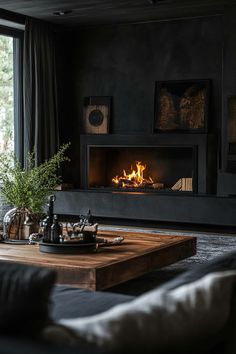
(96, 118)
(96, 115)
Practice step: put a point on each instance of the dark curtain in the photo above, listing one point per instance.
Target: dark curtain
(40, 123)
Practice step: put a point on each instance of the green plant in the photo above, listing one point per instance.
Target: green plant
(29, 188)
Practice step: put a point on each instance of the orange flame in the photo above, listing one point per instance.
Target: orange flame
(135, 179)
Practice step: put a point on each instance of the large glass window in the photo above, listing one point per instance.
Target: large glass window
(11, 128)
(6, 93)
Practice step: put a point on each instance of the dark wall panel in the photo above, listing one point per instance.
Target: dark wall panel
(125, 61)
(227, 180)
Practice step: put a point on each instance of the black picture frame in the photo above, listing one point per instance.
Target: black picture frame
(181, 106)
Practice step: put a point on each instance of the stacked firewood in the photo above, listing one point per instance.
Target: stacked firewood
(183, 184)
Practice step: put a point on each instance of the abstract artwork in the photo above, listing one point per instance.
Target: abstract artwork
(181, 106)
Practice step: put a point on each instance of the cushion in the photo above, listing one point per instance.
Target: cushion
(24, 298)
(82, 302)
(22, 345)
(189, 316)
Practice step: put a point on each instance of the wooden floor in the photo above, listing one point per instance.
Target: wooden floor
(139, 254)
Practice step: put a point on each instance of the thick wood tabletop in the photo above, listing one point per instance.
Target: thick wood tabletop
(138, 254)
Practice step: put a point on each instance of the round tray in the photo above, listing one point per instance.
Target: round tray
(80, 247)
(65, 248)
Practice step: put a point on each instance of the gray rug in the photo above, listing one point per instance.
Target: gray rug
(209, 246)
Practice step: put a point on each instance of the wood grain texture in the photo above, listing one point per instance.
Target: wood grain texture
(140, 253)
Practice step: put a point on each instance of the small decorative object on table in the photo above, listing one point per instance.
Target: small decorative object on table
(83, 231)
(47, 223)
(79, 237)
(56, 230)
(19, 223)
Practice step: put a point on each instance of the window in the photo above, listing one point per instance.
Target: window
(6, 94)
(11, 90)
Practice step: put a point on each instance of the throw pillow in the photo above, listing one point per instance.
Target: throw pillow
(161, 321)
(24, 298)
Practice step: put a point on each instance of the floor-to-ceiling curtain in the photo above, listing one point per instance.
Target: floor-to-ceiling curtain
(39, 91)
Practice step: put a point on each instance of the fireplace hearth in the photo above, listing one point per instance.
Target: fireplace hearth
(168, 158)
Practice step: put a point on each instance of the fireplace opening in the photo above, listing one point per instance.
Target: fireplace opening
(142, 168)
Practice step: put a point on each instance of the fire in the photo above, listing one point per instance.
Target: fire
(135, 179)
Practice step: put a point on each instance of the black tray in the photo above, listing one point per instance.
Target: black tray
(80, 247)
(66, 248)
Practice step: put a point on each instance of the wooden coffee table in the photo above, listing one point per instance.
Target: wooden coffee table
(139, 253)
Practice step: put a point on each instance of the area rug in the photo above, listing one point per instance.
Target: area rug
(209, 246)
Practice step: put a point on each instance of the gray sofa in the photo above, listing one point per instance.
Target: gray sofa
(30, 301)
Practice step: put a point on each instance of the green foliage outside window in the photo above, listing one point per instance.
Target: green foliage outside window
(6, 94)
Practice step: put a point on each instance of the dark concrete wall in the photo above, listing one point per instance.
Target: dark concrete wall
(124, 61)
(227, 181)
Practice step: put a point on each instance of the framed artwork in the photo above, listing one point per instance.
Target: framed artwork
(181, 106)
(96, 116)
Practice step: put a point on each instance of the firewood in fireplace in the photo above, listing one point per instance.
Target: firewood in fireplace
(158, 185)
(183, 184)
(126, 183)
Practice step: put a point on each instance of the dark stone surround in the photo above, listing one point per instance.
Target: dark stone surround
(199, 209)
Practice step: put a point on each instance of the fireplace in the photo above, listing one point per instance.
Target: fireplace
(167, 163)
(168, 157)
(142, 168)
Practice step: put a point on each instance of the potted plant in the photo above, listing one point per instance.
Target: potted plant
(27, 189)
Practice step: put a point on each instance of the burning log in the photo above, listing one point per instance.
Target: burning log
(133, 180)
(125, 183)
(158, 185)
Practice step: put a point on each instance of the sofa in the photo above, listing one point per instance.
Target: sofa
(192, 313)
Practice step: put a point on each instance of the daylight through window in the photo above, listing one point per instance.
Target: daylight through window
(6, 94)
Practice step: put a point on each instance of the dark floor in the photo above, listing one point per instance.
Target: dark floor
(209, 246)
